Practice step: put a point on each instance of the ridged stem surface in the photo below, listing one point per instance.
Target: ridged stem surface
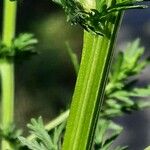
(7, 70)
(89, 89)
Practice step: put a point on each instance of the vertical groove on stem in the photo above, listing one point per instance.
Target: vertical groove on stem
(7, 69)
(89, 90)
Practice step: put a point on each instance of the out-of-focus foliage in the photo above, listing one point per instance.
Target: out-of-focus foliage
(121, 94)
(11, 134)
(22, 45)
(106, 132)
(43, 141)
(148, 148)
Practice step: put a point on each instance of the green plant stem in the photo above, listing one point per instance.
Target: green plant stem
(9, 21)
(57, 121)
(7, 77)
(7, 70)
(89, 90)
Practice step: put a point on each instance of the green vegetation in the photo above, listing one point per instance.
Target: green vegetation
(121, 97)
(101, 92)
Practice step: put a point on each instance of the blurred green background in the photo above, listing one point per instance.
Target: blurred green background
(45, 82)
